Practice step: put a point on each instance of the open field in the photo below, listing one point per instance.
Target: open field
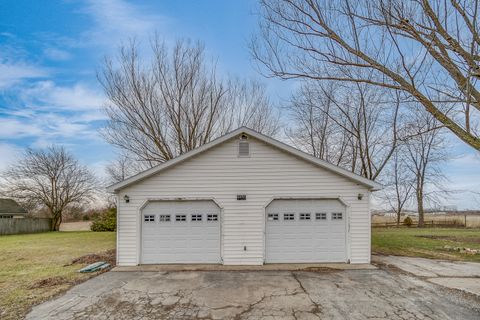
(76, 226)
(427, 243)
(473, 221)
(35, 267)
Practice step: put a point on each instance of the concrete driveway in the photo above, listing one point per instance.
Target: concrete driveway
(459, 275)
(348, 294)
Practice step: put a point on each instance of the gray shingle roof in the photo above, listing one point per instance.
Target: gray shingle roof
(10, 206)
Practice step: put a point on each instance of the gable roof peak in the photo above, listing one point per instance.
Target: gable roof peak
(257, 135)
(10, 206)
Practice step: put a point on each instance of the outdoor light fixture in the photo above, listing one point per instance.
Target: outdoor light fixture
(126, 198)
(360, 196)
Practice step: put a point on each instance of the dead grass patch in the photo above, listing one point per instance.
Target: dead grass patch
(49, 282)
(107, 256)
(449, 238)
(320, 270)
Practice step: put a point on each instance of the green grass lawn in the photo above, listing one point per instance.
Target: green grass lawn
(427, 243)
(35, 267)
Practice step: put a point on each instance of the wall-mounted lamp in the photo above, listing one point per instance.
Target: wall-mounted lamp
(360, 196)
(126, 198)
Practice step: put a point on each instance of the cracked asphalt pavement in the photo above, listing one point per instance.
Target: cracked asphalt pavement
(349, 294)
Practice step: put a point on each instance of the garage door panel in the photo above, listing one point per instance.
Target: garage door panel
(307, 240)
(194, 240)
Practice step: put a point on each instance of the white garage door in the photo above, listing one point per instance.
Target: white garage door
(180, 232)
(305, 231)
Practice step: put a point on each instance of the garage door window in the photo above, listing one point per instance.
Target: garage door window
(337, 216)
(304, 216)
(149, 218)
(180, 217)
(321, 216)
(196, 217)
(212, 217)
(288, 216)
(272, 217)
(164, 218)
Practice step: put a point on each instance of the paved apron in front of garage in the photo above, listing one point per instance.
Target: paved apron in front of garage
(350, 294)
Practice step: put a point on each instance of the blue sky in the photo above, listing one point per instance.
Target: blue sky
(50, 52)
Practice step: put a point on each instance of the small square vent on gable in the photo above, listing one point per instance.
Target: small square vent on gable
(243, 146)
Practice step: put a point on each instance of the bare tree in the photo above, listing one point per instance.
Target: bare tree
(426, 152)
(50, 178)
(177, 103)
(118, 169)
(355, 126)
(123, 167)
(247, 104)
(399, 183)
(314, 130)
(428, 49)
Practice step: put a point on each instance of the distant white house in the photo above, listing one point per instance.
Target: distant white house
(243, 199)
(449, 208)
(10, 209)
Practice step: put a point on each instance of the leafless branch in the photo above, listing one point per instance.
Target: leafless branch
(428, 49)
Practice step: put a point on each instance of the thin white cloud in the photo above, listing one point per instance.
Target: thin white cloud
(57, 54)
(469, 159)
(9, 153)
(17, 128)
(94, 115)
(48, 128)
(78, 97)
(13, 73)
(7, 35)
(118, 20)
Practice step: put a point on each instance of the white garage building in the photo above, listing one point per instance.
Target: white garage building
(243, 199)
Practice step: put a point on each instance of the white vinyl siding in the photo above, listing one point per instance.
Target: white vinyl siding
(220, 174)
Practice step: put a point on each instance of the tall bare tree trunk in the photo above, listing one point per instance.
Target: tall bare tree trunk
(421, 217)
(56, 221)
